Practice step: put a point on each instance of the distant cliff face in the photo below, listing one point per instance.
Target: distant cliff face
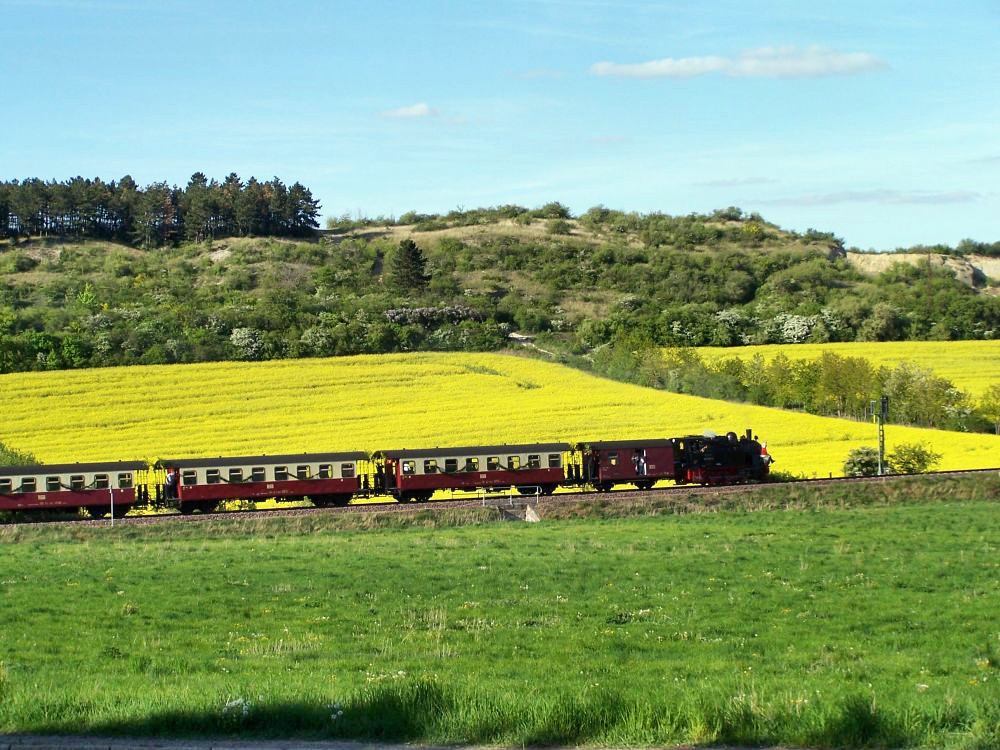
(973, 270)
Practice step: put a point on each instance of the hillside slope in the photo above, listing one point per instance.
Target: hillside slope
(722, 279)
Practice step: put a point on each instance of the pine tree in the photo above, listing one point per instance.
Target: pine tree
(407, 268)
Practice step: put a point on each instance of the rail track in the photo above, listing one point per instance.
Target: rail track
(502, 500)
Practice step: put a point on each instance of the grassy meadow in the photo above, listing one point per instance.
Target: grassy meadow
(972, 366)
(829, 627)
(397, 401)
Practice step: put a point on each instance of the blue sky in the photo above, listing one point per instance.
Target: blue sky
(876, 120)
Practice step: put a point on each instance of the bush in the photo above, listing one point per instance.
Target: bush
(912, 458)
(862, 462)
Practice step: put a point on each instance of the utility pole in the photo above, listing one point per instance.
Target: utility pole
(880, 413)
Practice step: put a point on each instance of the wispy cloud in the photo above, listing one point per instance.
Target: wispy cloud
(882, 197)
(763, 62)
(737, 182)
(411, 112)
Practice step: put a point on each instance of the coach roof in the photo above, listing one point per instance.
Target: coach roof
(477, 450)
(297, 458)
(40, 469)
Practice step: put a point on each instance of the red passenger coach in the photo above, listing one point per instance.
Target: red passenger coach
(323, 478)
(68, 487)
(417, 474)
(639, 462)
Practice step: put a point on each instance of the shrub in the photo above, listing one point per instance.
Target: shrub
(912, 458)
(862, 462)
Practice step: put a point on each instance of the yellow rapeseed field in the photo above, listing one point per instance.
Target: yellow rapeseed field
(973, 366)
(400, 401)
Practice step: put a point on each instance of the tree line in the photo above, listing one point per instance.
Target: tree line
(828, 385)
(157, 215)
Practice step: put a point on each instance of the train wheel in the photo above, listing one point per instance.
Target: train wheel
(603, 486)
(548, 489)
(645, 484)
(99, 511)
(121, 510)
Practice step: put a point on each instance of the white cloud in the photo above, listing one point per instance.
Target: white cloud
(881, 197)
(685, 67)
(764, 62)
(811, 62)
(411, 112)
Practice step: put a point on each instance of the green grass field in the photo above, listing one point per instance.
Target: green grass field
(871, 624)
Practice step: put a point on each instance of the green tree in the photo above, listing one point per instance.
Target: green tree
(989, 405)
(198, 208)
(861, 462)
(912, 458)
(407, 268)
(13, 457)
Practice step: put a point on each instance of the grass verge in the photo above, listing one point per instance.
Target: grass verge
(861, 619)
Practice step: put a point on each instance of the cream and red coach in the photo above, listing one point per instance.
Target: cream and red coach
(325, 478)
(68, 487)
(418, 474)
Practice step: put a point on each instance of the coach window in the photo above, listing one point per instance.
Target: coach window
(409, 467)
(326, 471)
(124, 481)
(347, 471)
(513, 463)
(235, 476)
(101, 481)
(555, 460)
(430, 466)
(6, 486)
(534, 461)
(613, 459)
(52, 484)
(472, 464)
(28, 484)
(213, 476)
(189, 477)
(450, 465)
(280, 473)
(493, 463)
(257, 474)
(77, 482)
(302, 472)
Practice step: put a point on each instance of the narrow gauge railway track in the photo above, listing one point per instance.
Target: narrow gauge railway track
(502, 500)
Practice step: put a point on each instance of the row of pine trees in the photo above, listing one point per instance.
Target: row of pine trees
(157, 215)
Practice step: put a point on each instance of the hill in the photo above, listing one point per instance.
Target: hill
(402, 401)
(575, 284)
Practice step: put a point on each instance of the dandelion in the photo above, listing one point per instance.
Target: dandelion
(237, 708)
(336, 711)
